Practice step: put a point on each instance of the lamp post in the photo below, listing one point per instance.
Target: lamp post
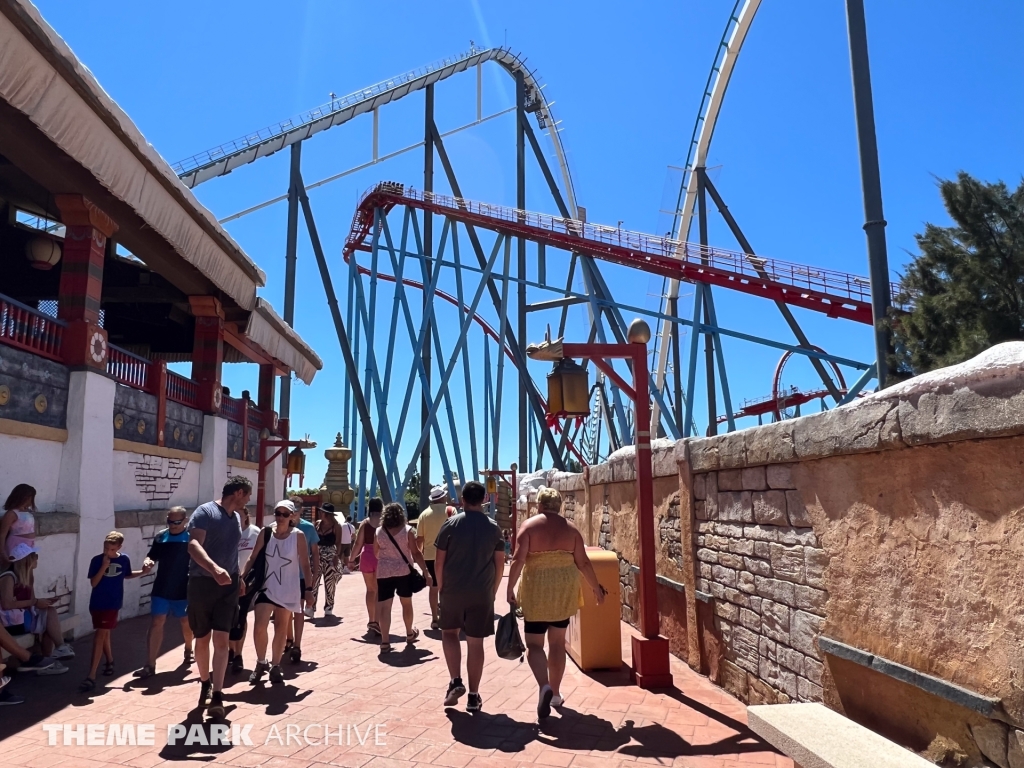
(266, 460)
(650, 652)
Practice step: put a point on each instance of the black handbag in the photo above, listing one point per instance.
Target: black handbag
(417, 581)
(508, 643)
(257, 576)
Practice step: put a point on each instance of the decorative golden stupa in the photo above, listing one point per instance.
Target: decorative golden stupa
(335, 488)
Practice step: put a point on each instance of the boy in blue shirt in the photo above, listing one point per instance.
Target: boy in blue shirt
(170, 589)
(107, 573)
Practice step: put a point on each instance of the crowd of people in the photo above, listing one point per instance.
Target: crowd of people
(215, 567)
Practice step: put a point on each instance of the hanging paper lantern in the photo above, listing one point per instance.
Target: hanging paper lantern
(43, 252)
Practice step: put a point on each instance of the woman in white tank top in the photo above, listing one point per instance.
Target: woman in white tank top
(280, 595)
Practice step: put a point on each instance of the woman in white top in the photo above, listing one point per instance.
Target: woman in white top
(280, 596)
(396, 548)
(18, 524)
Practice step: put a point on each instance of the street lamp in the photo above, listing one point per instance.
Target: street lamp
(295, 458)
(650, 652)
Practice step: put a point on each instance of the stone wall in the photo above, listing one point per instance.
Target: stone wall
(889, 532)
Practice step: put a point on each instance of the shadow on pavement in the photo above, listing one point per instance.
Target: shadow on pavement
(197, 740)
(484, 730)
(275, 698)
(410, 656)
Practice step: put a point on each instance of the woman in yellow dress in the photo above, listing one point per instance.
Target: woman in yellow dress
(550, 555)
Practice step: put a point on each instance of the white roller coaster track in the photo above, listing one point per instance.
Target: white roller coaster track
(221, 160)
(711, 104)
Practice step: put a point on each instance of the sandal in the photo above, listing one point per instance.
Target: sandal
(412, 636)
(373, 628)
(108, 669)
(87, 685)
(189, 657)
(385, 648)
(146, 671)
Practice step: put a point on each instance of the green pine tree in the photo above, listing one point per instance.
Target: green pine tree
(966, 286)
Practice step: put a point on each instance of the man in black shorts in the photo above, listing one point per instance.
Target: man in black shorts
(213, 585)
(469, 565)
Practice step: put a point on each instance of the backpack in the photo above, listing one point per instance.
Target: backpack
(257, 576)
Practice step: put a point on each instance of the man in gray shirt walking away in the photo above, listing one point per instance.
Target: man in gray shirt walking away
(470, 563)
(213, 585)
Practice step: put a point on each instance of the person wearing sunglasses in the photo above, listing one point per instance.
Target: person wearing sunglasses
(170, 589)
(280, 596)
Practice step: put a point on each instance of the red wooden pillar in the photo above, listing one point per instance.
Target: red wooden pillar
(208, 350)
(266, 394)
(81, 280)
(158, 387)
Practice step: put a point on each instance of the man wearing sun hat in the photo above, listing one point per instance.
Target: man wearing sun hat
(427, 525)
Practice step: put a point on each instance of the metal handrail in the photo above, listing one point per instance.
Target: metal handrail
(27, 328)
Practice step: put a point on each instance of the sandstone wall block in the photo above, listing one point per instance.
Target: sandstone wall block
(754, 479)
(777, 677)
(770, 444)
(727, 611)
(759, 692)
(741, 547)
(705, 570)
(992, 740)
(744, 645)
(729, 529)
(775, 621)
(731, 561)
(780, 476)
(761, 532)
(870, 426)
(790, 659)
(777, 591)
(724, 576)
(797, 510)
(982, 409)
(757, 567)
(702, 453)
(769, 649)
(600, 474)
(787, 562)
(706, 526)
(1015, 751)
(808, 691)
(750, 620)
(730, 480)
(700, 510)
(804, 536)
(813, 670)
(769, 507)
(815, 562)
(735, 506)
(762, 550)
(746, 583)
(804, 629)
(699, 491)
(811, 600)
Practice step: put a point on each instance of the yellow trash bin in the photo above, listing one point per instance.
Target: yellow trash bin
(593, 640)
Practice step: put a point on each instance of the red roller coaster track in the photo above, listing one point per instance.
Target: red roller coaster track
(836, 294)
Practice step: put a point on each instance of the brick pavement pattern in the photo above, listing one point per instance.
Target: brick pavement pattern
(606, 722)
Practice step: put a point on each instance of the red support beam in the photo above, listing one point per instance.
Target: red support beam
(208, 350)
(158, 387)
(265, 395)
(81, 280)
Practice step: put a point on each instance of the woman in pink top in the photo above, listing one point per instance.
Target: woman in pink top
(18, 524)
(396, 548)
(362, 547)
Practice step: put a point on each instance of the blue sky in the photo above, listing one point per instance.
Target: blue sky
(626, 80)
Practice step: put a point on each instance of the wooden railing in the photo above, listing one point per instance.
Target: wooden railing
(182, 390)
(29, 329)
(128, 368)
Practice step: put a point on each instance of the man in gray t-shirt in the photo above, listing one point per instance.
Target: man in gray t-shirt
(213, 585)
(469, 565)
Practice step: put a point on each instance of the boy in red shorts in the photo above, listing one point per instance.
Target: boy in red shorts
(107, 573)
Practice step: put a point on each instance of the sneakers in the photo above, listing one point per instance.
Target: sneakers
(258, 671)
(64, 652)
(144, 672)
(557, 700)
(474, 703)
(37, 662)
(56, 668)
(276, 675)
(205, 693)
(216, 708)
(189, 657)
(8, 699)
(295, 654)
(345, 571)
(309, 613)
(455, 691)
(544, 703)
(237, 665)
(328, 613)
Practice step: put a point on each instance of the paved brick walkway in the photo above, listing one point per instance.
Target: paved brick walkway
(607, 723)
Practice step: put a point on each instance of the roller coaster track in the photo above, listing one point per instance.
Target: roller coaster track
(222, 159)
(836, 294)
